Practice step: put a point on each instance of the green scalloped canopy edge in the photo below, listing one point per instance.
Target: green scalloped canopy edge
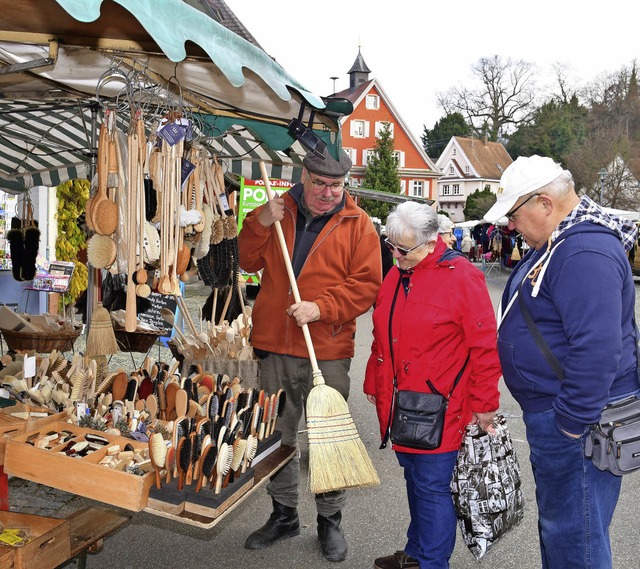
(227, 50)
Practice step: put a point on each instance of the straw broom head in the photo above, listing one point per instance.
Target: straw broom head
(337, 457)
(101, 339)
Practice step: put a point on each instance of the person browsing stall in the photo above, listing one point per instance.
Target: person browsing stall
(445, 230)
(426, 336)
(337, 263)
(575, 285)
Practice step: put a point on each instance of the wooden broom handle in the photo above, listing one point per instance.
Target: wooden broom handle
(292, 277)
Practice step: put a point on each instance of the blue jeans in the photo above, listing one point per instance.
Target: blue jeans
(576, 501)
(432, 530)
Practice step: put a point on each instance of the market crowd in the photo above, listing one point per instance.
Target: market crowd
(436, 340)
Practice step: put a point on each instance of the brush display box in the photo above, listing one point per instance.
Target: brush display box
(79, 472)
(19, 418)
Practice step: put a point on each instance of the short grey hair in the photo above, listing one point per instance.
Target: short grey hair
(445, 225)
(412, 219)
(559, 187)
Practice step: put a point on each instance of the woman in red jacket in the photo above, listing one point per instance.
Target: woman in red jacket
(434, 312)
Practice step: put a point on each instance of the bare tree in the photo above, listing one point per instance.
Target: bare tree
(502, 102)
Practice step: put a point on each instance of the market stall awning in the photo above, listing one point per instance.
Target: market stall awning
(60, 60)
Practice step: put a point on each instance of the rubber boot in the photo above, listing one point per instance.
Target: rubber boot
(282, 523)
(332, 542)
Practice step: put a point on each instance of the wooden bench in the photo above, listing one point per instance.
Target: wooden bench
(89, 527)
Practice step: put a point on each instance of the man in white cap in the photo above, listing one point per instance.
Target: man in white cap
(567, 345)
(335, 254)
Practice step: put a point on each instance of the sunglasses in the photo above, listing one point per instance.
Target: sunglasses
(510, 215)
(404, 252)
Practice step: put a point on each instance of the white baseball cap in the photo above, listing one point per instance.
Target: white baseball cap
(522, 177)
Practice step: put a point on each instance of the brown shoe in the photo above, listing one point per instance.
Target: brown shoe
(399, 560)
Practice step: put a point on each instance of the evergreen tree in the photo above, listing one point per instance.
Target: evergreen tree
(435, 140)
(381, 174)
(478, 204)
(555, 130)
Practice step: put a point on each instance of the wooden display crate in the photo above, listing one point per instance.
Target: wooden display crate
(11, 425)
(49, 547)
(82, 476)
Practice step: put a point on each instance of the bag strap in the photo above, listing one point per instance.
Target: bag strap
(539, 340)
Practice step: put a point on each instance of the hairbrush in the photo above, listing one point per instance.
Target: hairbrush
(162, 400)
(282, 401)
(223, 464)
(250, 451)
(170, 462)
(158, 455)
(183, 459)
(212, 406)
(207, 465)
(193, 459)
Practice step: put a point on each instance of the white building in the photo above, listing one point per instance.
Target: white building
(467, 165)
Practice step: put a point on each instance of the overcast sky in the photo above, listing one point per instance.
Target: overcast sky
(417, 48)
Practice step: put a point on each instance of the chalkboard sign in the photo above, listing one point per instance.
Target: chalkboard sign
(152, 315)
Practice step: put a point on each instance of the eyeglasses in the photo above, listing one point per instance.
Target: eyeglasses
(404, 252)
(322, 185)
(510, 215)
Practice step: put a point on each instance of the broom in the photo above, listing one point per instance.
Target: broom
(337, 456)
(101, 339)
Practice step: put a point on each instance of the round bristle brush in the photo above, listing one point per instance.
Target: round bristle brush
(207, 465)
(223, 464)
(158, 455)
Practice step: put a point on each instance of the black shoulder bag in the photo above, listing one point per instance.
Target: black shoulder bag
(416, 419)
(614, 442)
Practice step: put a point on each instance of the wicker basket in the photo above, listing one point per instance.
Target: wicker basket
(138, 341)
(40, 342)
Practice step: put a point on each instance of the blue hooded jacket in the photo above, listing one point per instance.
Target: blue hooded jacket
(581, 295)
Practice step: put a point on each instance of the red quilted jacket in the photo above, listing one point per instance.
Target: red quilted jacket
(446, 315)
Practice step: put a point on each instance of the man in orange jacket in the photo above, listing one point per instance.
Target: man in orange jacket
(335, 254)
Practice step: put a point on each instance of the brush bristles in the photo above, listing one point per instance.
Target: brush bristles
(337, 456)
(158, 450)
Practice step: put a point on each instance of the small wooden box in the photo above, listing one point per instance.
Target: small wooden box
(49, 547)
(11, 425)
(82, 476)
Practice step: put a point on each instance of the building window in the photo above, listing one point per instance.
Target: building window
(380, 126)
(353, 154)
(456, 189)
(451, 170)
(367, 155)
(487, 188)
(359, 129)
(403, 187)
(372, 102)
(445, 190)
(355, 182)
(399, 156)
(467, 169)
(454, 151)
(417, 188)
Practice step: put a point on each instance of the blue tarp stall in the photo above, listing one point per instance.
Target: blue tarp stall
(62, 61)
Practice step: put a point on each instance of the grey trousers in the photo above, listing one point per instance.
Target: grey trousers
(294, 376)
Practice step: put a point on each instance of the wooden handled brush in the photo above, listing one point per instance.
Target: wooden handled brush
(337, 457)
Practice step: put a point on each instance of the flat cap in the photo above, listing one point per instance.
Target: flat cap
(327, 165)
